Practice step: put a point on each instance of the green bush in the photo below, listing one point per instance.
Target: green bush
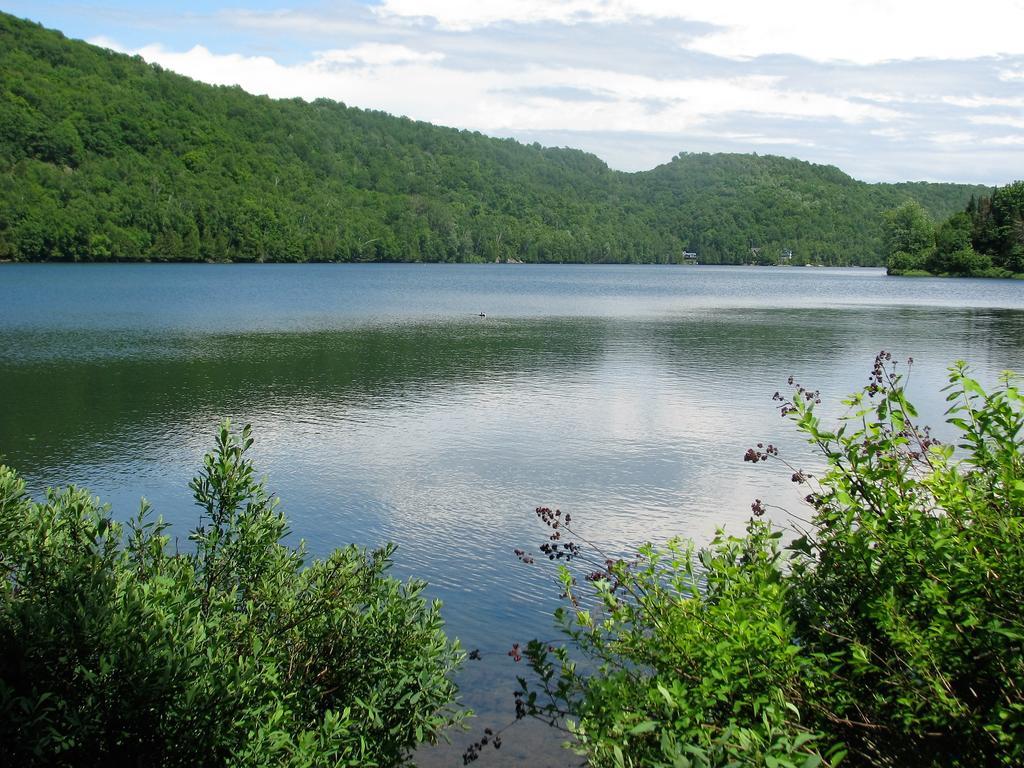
(965, 262)
(117, 650)
(901, 262)
(888, 633)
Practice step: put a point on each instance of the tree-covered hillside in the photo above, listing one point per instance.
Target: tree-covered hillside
(103, 156)
(727, 205)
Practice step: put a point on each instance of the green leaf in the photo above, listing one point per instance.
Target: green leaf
(800, 544)
(666, 694)
(645, 727)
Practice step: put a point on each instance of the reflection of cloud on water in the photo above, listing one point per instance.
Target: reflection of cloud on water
(444, 440)
(636, 463)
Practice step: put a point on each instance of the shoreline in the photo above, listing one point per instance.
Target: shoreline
(441, 264)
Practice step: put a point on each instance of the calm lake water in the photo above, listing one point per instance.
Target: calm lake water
(386, 409)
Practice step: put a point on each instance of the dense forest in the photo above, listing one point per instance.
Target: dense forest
(986, 239)
(106, 157)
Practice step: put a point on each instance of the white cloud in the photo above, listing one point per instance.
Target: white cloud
(293, 20)
(862, 31)
(984, 102)
(953, 137)
(859, 31)
(1012, 121)
(377, 54)
(882, 97)
(891, 133)
(461, 16)
(404, 81)
(760, 139)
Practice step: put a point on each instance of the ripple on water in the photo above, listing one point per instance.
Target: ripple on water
(385, 410)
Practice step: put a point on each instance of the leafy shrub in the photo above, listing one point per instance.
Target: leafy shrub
(965, 262)
(901, 262)
(889, 632)
(116, 650)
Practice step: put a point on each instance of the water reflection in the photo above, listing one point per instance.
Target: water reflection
(442, 435)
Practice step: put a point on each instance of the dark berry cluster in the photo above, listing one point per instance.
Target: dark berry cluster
(801, 392)
(552, 518)
(472, 752)
(556, 521)
(566, 550)
(810, 396)
(520, 705)
(523, 556)
(516, 653)
(924, 439)
(608, 573)
(883, 372)
(878, 373)
(758, 508)
(761, 453)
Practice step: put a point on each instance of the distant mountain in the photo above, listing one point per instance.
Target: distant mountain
(103, 156)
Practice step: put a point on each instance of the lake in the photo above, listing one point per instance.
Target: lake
(386, 408)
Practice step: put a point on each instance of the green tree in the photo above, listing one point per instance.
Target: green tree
(1008, 215)
(954, 234)
(908, 230)
(117, 649)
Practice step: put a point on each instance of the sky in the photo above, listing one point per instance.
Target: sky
(887, 90)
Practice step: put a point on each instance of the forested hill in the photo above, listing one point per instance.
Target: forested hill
(106, 157)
